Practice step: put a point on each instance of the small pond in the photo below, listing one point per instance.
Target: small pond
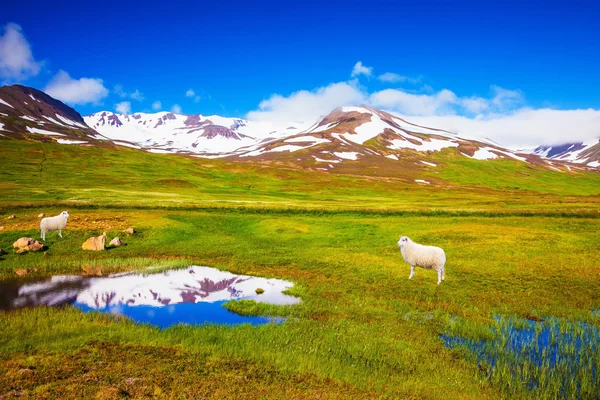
(194, 295)
(554, 357)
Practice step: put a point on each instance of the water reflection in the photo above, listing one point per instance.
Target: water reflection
(194, 295)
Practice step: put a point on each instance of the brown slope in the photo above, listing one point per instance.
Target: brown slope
(31, 108)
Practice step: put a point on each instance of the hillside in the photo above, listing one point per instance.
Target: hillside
(27, 113)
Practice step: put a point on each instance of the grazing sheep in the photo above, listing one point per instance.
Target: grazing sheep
(56, 223)
(428, 257)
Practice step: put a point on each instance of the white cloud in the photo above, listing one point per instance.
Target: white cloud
(190, 93)
(306, 106)
(157, 105)
(414, 104)
(76, 91)
(501, 117)
(197, 99)
(176, 109)
(390, 77)
(16, 59)
(360, 69)
(523, 128)
(137, 95)
(123, 107)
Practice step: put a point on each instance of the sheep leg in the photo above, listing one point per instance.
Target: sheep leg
(60, 233)
(43, 236)
(439, 276)
(412, 271)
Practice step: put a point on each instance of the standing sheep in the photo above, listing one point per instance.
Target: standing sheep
(428, 257)
(56, 223)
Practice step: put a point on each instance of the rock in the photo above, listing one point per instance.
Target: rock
(42, 215)
(21, 271)
(95, 243)
(129, 231)
(27, 244)
(13, 216)
(259, 291)
(116, 242)
(92, 270)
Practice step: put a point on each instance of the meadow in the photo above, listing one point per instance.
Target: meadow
(518, 246)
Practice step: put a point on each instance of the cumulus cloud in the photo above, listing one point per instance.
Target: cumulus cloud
(135, 95)
(306, 106)
(502, 116)
(123, 107)
(16, 58)
(523, 128)
(157, 105)
(76, 91)
(190, 93)
(390, 77)
(176, 109)
(360, 69)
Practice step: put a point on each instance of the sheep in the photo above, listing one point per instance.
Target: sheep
(427, 257)
(50, 224)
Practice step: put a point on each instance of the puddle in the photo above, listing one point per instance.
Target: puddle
(192, 296)
(559, 358)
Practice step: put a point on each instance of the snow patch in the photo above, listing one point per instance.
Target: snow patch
(347, 155)
(325, 161)
(421, 181)
(5, 103)
(307, 139)
(591, 164)
(43, 131)
(432, 145)
(69, 122)
(392, 156)
(484, 154)
(28, 118)
(428, 163)
(66, 141)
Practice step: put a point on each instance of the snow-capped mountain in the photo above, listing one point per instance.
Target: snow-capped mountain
(27, 113)
(352, 133)
(587, 153)
(177, 133)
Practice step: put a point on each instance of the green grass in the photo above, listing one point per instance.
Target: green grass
(362, 330)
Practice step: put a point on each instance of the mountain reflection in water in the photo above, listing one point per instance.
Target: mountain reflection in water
(194, 295)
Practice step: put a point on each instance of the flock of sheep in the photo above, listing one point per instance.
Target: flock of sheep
(417, 255)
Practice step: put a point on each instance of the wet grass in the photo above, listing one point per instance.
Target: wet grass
(362, 330)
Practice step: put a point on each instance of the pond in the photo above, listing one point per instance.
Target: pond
(194, 295)
(554, 357)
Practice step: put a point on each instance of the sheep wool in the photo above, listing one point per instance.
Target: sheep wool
(427, 257)
(56, 223)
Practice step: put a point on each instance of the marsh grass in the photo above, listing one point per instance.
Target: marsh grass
(362, 330)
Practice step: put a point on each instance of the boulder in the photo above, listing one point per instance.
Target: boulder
(21, 271)
(95, 243)
(259, 290)
(116, 242)
(129, 231)
(13, 216)
(89, 270)
(27, 244)
(42, 215)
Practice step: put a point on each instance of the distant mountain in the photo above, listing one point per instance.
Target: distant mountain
(27, 113)
(167, 132)
(582, 153)
(348, 139)
(364, 133)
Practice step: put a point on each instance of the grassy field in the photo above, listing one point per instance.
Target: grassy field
(362, 330)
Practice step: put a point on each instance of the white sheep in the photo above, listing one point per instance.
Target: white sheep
(56, 223)
(427, 257)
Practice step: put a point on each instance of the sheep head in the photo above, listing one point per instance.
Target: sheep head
(65, 214)
(404, 240)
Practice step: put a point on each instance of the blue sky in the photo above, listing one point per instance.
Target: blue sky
(235, 55)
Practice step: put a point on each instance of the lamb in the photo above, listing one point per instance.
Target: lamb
(427, 257)
(56, 223)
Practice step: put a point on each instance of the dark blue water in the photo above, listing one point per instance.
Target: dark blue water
(540, 353)
(183, 313)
